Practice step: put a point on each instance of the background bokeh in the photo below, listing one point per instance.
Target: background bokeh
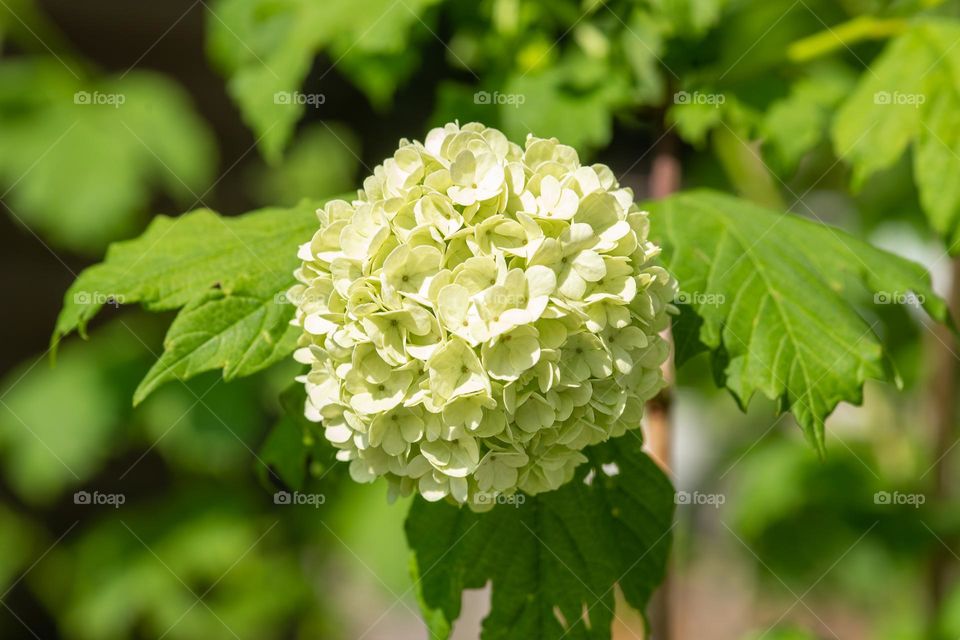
(770, 542)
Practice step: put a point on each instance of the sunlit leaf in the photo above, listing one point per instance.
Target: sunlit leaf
(911, 96)
(229, 274)
(777, 296)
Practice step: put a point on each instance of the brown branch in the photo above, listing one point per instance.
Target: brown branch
(664, 179)
(943, 403)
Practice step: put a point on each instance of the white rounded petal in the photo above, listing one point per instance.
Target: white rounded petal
(590, 266)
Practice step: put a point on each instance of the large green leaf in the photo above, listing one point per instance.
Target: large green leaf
(777, 293)
(266, 48)
(82, 158)
(229, 274)
(553, 559)
(911, 96)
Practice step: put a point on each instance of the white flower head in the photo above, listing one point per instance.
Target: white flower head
(478, 315)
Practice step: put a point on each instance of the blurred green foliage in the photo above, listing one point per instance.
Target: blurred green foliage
(60, 134)
(775, 100)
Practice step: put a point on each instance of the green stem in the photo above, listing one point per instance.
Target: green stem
(844, 35)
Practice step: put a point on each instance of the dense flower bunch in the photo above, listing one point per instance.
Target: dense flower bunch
(478, 315)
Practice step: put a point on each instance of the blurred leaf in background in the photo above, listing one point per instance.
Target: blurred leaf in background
(911, 97)
(794, 125)
(20, 540)
(58, 425)
(202, 564)
(584, 71)
(323, 161)
(295, 451)
(266, 49)
(572, 102)
(76, 149)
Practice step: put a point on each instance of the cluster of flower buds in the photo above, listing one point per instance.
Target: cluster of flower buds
(478, 315)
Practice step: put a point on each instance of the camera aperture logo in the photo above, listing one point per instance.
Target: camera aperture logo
(96, 498)
(299, 499)
(712, 499)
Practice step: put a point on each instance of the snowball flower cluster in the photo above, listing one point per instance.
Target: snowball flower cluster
(479, 315)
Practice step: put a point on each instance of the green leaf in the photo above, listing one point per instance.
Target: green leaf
(553, 559)
(26, 24)
(379, 75)
(694, 120)
(573, 101)
(323, 161)
(241, 332)
(690, 18)
(643, 48)
(20, 540)
(796, 124)
(911, 96)
(294, 449)
(936, 162)
(844, 36)
(777, 297)
(746, 170)
(61, 135)
(229, 274)
(86, 395)
(872, 129)
(266, 48)
(154, 563)
(213, 437)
